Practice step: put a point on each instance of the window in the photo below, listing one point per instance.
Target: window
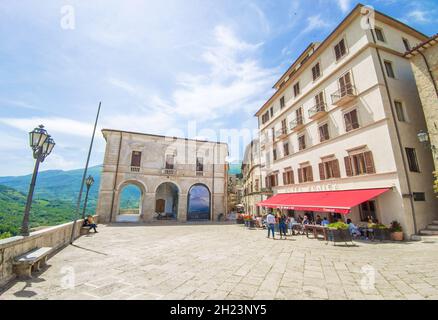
(316, 71)
(407, 44)
(296, 89)
(340, 50)
(359, 164)
(283, 126)
(282, 103)
(302, 142)
(265, 117)
(379, 34)
(389, 69)
(272, 180)
(399, 110)
(272, 111)
(136, 159)
(419, 196)
(319, 101)
(323, 132)
(368, 211)
(299, 115)
(286, 151)
(170, 161)
(412, 160)
(274, 154)
(305, 174)
(351, 121)
(345, 85)
(199, 164)
(273, 134)
(256, 185)
(288, 177)
(329, 169)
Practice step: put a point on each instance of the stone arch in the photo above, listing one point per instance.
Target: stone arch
(167, 195)
(127, 215)
(199, 202)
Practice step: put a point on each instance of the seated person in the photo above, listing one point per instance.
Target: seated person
(306, 220)
(318, 220)
(89, 222)
(354, 231)
(325, 222)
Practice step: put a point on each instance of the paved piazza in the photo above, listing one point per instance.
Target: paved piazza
(229, 262)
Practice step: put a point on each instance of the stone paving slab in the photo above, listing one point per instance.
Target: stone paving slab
(229, 262)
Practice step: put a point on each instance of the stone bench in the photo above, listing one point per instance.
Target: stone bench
(33, 259)
(85, 230)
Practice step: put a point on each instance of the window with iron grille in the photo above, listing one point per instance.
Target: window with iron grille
(411, 154)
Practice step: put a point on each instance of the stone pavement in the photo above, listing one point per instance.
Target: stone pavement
(229, 262)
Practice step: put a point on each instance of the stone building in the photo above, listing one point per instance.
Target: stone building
(424, 62)
(338, 138)
(178, 179)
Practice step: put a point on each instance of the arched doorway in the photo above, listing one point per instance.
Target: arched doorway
(166, 201)
(199, 203)
(130, 203)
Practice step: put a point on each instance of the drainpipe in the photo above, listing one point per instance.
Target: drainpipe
(115, 177)
(397, 130)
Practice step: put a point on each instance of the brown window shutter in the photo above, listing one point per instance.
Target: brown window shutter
(321, 171)
(369, 162)
(338, 52)
(348, 168)
(300, 175)
(354, 120)
(285, 182)
(336, 170)
(310, 168)
(292, 177)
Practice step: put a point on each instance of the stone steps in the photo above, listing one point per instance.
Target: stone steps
(432, 227)
(429, 232)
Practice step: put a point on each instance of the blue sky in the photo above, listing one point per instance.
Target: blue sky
(160, 67)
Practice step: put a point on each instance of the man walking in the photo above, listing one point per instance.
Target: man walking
(270, 221)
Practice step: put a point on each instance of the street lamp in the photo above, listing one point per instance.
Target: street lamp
(89, 182)
(42, 145)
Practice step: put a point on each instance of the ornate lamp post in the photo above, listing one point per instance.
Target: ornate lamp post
(42, 145)
(89, 182)
(423, 137)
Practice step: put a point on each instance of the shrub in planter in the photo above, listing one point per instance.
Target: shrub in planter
(338, 232)
(396, 231)
(381, 232)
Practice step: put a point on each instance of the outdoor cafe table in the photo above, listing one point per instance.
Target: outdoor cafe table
(316, 229)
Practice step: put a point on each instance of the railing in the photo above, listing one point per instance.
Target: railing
(135, 169)
(169, 172)
(317, 109)
(281, 133)
(344, 95)
(297, 122)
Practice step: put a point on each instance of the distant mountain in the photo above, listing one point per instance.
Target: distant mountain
(57, 185)
(43, 212)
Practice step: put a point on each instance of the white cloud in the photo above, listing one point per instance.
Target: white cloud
(419, 16)
(314, 23)
(344, 5)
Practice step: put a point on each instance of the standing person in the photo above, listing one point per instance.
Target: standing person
(282, 226)
(270, 221)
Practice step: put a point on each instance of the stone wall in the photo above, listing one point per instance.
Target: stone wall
(55, 237)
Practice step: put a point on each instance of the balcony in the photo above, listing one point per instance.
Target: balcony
(169, 172)
(297, 124)
(282, 133)
(318, 111)
(135, 169)
(344, 96)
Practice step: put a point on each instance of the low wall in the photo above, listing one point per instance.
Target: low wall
(55, 237)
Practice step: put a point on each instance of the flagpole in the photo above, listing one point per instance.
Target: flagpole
(78, 204)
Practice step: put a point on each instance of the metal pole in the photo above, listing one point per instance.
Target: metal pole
(85, 202)
(25, 223)
(78, 204)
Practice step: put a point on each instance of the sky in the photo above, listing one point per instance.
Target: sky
(192, 68)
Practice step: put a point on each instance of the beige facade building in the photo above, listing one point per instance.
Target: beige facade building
(424, 62)
(345, 116)
(253, 176)
(179, 179)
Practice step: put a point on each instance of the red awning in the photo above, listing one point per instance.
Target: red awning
(329, 201)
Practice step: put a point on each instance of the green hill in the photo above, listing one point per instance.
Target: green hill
(43, 212)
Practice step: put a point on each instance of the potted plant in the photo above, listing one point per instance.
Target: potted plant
(338, 232)
(396, 231)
